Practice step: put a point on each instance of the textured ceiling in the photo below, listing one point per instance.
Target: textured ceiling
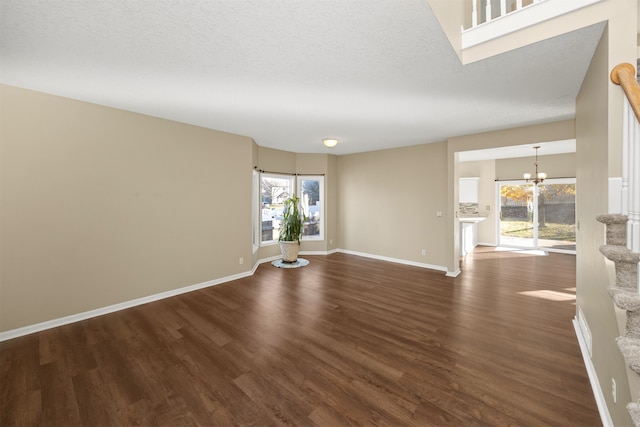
(375, 74)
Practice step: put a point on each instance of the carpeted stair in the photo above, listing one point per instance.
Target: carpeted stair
(625, 293)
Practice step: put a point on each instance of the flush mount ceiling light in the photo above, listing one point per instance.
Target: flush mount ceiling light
(329, 142)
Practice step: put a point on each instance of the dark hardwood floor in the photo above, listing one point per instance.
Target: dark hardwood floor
(344, 341)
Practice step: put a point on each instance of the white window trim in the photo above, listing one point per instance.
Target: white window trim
(320, 179)
(255, 208)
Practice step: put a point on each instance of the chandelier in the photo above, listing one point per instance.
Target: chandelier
(539, 176)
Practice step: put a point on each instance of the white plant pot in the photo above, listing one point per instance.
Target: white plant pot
(289, 251)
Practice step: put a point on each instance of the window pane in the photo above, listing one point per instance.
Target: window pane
(311, 192)
(274, 191)
(516, 215)
(557, 216)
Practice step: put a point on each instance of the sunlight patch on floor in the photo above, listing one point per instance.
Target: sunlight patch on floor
(550, 295)
(537, 252)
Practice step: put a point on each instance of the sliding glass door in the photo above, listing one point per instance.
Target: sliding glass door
(541, 216)
(516, 215)
(557, 215)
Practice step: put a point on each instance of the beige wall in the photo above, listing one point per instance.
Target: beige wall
(555, 166)
(622, 34)
(451, 14)
(101, 206)
(594, 119)
(280, 161)
(596, 127)
(388, 202)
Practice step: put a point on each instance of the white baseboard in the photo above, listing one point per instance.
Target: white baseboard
(26, 330)
(453, 273)
(605, 417)
(396, 260)
(333, 251)
(263, 260)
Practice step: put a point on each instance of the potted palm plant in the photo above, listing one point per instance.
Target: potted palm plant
(291, 229)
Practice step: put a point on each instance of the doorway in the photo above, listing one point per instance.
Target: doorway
(537, 216)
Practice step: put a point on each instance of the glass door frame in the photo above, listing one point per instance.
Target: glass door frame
(535, 245)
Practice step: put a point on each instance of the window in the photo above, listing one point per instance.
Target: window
(538, 216)
(311, 193)
(255, 190)
(274, 191)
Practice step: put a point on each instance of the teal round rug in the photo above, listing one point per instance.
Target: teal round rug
(300, 262)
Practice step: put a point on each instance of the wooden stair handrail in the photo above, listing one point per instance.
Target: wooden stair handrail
(625, 75)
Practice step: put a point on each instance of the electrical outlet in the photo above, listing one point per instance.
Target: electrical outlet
(613, 390)
(241, 261)
(424, 252)
(438, 213)
(488, 207)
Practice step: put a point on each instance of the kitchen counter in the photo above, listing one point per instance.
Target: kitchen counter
(474, 219)
(469, 233)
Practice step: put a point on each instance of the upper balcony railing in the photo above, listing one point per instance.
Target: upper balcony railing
(506, 6)
(491, 19)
